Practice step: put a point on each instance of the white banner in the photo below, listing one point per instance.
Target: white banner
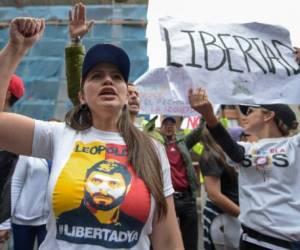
(216, 11)
(160, 93)
(164, 91)
(235, 63)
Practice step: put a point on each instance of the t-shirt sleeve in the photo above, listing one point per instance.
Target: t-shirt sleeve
(210, 167)
(234, 151)
(166, 170)
(18, 180)
(296, 139)
(6, 225)
(43, 139)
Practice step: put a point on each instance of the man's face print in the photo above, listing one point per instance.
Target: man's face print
(105, 191)
(95, 197)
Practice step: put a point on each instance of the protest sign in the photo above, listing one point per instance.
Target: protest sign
(160, 92)
(235, 63)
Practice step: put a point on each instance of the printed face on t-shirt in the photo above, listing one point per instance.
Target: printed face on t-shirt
(95, 198)
(106, 191)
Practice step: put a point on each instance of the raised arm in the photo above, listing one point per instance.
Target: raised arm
(193, 138)
(78, 25)
(74, 52)
(199, 101)
(16, 131)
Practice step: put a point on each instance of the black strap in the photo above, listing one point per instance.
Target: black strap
(179, 195)
(266, 238)
(7, 165)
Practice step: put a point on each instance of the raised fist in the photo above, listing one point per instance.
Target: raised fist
(25, 31)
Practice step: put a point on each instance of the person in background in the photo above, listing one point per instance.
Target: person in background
(222, 204)
(74, 53)
(8, 161)
(97, 129)
(30, 207)
(133, 104)
(269, 172)
(184, 178)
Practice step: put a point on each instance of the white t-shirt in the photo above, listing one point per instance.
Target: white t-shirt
(28, 192)
(269, 187)
(90, 177)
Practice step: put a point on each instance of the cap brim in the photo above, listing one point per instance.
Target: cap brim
(169, 119)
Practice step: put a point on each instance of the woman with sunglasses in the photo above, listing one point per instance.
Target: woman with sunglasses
(269, 172)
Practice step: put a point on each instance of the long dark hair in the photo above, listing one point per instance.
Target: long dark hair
(142, 153)
(214, 151)
(284, 129)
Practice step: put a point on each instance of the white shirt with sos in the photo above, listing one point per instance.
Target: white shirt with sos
(269, 187)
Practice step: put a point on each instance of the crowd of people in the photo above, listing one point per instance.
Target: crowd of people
(100, 181)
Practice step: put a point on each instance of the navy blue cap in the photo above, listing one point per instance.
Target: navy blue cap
(106, 53)
(169, 118)
(282, 112)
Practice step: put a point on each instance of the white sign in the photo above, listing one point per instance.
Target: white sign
(160, 92)
(235, 63)
(164, 91)
(215, 11)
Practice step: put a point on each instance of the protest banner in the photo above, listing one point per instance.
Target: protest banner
(235, 63)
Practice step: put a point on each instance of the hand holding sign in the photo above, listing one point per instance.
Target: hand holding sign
(163, 91)
(199, 101)
(250, 63)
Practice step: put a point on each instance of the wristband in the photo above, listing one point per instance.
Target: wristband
(76, 40)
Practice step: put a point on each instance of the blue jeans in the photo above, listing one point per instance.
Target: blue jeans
(24, 236)
(186, 212)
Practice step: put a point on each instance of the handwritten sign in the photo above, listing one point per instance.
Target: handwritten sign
(235, 63)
